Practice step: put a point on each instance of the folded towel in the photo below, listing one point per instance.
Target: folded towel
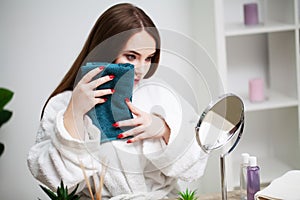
(115, 108)
(285, 187)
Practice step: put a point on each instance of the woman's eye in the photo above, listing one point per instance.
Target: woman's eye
(130, 57)
(149, 59)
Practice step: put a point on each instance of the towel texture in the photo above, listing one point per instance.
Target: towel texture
(115, 108)
(284, 187)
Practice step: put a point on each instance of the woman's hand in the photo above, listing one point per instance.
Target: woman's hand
(146, 126)
(84, 98)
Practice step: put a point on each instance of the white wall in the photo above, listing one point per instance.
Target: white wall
(39, 41)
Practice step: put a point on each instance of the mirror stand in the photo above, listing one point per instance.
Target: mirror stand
(222, 160)
(223, 176)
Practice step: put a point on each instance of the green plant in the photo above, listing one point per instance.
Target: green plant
(61, 193)
(5, 96)
(187, 195)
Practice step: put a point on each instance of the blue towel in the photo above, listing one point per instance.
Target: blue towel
(115, 108)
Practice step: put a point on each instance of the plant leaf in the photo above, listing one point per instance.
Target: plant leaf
(1, 148)
(5, 115)
(5, 96)
(74, 191)
(60, 190)
(50, 194)
(66, 193)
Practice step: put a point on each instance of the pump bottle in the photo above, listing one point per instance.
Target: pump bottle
(253, 178)
(243, 176)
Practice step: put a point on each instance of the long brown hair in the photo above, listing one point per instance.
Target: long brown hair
(118, 19)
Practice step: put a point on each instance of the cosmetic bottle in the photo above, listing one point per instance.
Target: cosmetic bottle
(243, 176)
(253, 178)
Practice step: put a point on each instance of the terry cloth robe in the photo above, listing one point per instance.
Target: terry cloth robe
(148, 169)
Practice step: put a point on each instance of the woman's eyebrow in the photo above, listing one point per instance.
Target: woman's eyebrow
(131, 51)
(137, 53)
(152, 54)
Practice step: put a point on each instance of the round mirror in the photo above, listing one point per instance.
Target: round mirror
(219, 122)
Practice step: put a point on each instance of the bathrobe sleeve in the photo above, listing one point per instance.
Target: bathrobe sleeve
(182, 157)
(56, 155)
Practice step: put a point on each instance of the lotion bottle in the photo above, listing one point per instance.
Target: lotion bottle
(243, 176)
(253, 178)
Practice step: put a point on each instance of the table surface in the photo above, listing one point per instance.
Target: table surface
(231, 195)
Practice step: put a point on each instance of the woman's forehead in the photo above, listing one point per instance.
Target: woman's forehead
(140, 41)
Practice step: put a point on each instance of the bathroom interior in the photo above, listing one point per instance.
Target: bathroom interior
(39, 41)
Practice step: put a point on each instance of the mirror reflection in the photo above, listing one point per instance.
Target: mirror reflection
(219, 122)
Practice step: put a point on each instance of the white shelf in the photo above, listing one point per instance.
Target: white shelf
(236, 29)
(269, 50)
(273, 100)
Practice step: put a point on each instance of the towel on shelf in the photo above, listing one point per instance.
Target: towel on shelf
(285, 187)
(115, 108)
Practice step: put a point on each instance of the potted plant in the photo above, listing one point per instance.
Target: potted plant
(187, 195)
(62, 193)
(5, 96)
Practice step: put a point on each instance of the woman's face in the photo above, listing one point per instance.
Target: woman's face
(138, 51)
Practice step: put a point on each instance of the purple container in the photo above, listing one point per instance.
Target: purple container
(251, 14)
(253, 178)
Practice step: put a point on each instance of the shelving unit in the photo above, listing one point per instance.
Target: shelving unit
(269, 50)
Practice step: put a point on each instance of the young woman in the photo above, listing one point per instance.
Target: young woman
(161, 148)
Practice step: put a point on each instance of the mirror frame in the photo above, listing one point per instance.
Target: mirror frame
(239, 125)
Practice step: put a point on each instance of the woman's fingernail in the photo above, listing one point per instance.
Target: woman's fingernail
(104, 99)
(101, 68)
(127, 100)
(129, 141)
(111, 76)
(120, 136)
(115, 124)
(112, 90)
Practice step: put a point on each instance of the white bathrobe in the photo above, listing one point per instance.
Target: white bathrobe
(143, 170)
